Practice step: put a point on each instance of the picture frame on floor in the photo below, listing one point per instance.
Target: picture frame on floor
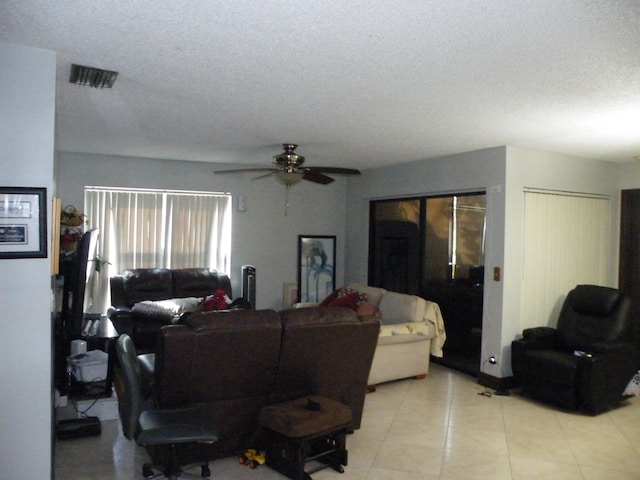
(289, 294)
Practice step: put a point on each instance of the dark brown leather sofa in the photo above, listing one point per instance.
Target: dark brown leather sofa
(136, 285)
(240, 361)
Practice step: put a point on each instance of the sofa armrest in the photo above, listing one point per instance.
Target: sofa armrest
(122, 319)
(305, 304)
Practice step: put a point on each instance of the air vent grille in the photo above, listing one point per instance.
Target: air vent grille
(92, 77)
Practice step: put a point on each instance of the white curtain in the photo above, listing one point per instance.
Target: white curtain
(567, 239)
(149, 229)
(199, 231)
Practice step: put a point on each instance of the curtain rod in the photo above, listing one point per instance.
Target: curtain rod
(153, 190)
(566, 193)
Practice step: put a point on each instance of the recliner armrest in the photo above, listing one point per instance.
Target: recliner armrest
(538, 338)
(537, 332)
(608, 347)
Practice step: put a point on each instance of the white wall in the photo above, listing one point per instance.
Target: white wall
(629, 176)
(482, 170)
(262, 235)
(503, 173)
(27, 96)
(550, 171)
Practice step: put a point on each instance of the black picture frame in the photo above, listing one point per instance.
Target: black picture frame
(316, 267)
(23, 222)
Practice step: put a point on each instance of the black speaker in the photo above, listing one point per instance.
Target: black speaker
(249, 284)
(78, 427)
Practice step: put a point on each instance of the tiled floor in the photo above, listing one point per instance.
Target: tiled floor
(436, 428)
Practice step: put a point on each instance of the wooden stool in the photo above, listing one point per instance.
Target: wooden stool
(306, 429)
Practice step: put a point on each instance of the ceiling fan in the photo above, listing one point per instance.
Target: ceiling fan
(289, 169)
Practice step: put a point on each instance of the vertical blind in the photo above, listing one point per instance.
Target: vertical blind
(567, 239)
(157, 229)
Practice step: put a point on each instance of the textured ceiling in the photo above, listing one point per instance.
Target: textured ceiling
(354, 83)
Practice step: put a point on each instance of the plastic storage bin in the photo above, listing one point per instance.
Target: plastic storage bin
(90, 367)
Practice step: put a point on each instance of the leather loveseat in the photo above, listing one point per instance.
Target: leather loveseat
(134, 286)
(240, 361)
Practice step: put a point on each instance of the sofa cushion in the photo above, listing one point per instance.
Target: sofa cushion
(421, 329)
(168, 311)
(177, 306)
(317, 316)
(149, 312)
(198, 282)
(401, 308)
(147, 284)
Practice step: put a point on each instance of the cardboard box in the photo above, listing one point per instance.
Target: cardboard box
(90, 366)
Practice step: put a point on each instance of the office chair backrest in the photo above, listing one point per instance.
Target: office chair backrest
(593, 314)
(131, 406)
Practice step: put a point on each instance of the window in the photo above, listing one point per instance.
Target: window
(567, 241)
(416, 242)
(157, 228)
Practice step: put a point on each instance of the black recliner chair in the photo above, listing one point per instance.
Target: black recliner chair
(587, 361)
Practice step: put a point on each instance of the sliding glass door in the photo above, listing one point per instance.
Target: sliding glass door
(434, 247)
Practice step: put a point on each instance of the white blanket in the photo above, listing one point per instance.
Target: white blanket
(433, 315)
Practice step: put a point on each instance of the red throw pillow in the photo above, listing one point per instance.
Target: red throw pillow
(217, 301)
(348, 301)
(330, 298)
(343, 292)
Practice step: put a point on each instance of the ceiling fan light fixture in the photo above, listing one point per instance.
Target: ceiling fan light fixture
(92, 77)
(288, 179)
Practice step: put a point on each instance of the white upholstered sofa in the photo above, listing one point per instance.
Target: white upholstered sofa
(411, 330)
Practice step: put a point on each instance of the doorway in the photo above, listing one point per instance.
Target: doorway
(629, 267)
(434, 247)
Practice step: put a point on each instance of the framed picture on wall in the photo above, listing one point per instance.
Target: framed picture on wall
(23, 222)
(316, 267)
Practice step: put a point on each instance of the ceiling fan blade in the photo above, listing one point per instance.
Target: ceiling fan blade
(316, 177)
(338, 170)
(243, 170)
(265, 175)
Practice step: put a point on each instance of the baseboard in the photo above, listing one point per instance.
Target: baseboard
(500, 385)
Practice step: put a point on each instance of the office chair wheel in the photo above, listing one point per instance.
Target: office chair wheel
(206, 472)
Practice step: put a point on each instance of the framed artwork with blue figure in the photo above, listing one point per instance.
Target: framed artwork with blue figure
(316, 267)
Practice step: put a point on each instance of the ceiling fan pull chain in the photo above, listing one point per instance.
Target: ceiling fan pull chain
(286, 199)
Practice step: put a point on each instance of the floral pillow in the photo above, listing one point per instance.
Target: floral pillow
(345, 297)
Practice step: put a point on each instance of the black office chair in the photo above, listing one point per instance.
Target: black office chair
(588, 359)
(155, 427)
